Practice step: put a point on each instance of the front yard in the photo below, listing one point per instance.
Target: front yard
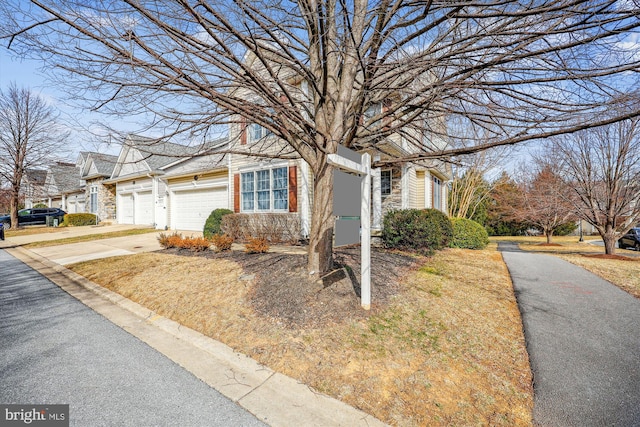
(442, 345)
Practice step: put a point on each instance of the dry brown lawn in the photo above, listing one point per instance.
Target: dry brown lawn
(445, 347)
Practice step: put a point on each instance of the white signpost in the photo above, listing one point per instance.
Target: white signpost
(364, 170)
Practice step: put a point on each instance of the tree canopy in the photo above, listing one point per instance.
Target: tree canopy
(437, 78)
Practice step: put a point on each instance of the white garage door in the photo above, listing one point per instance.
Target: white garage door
(143, 208)
(191, 208)
(125, 206)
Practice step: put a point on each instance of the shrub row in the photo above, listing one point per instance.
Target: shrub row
(176, 240)
(420, 230)
(429, 230)
(220, 243)
(78, 219)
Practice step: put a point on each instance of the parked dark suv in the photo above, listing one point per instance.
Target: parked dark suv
(34, 216)
(630, 240)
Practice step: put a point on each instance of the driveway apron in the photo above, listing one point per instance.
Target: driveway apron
(55, 350)
(583, 338)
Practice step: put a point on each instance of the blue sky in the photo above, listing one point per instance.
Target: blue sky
(25, 73)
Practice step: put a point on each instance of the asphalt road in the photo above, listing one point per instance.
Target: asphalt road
(55, 350)
(583, 338)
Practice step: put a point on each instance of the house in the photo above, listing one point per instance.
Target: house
(63, 187)
(95, 169)
(32, 186)
(271, 185)
(168, 185)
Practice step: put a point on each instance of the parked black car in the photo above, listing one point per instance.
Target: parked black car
(630, 240)
(34, 216)
(1, 231)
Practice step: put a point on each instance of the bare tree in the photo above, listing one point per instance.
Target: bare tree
(544, 200)
(29, 138)
(311, 71)
(603, 168)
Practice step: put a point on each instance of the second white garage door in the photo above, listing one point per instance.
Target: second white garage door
(191, 208)
(144, 208)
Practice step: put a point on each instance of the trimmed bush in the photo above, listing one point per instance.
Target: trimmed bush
(169, 241)
(421, 230)
(79, 219)
(256, 246)
(221, 242)
(212, 226)
(468, 234)
(565, 229)
(195, 244)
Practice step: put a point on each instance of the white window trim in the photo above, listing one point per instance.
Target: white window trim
(93, 190)
(255, 209)
(437, 190)
(390, 182)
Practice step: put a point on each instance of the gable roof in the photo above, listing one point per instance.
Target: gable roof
(98, 165)
(154, 156)
(35, 176)
(63, 178)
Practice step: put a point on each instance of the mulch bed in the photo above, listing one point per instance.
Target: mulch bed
(286, 294)
(609, 256)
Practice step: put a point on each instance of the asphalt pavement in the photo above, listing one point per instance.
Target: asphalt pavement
(583, 339)
(56, 350)
(71, 341)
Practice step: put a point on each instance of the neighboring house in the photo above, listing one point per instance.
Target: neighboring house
(63, 184)
(32, 186)
(168, 185)
(99, 198)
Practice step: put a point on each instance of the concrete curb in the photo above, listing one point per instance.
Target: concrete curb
(273, 398)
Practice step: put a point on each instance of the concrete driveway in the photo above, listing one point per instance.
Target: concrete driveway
(90, 250)
(103, 248)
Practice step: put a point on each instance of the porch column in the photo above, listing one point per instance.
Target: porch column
(404, 181)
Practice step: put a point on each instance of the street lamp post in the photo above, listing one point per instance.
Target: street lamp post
(581, 235)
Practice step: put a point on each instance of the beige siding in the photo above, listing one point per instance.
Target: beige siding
(428, 188)
(420, 189)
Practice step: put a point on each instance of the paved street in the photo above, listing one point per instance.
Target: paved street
(583, 338)
(56, 350)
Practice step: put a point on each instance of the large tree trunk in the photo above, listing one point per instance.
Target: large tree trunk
(608, 234)
(320, 258)
(14, 204)
(549, 234)
(609, 239)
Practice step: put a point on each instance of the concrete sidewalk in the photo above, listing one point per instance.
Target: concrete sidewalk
(272, 397)
(583, 339)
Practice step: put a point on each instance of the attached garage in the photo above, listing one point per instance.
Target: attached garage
(125, 208)
(191, 203)
(135, 202)
(143, 207)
